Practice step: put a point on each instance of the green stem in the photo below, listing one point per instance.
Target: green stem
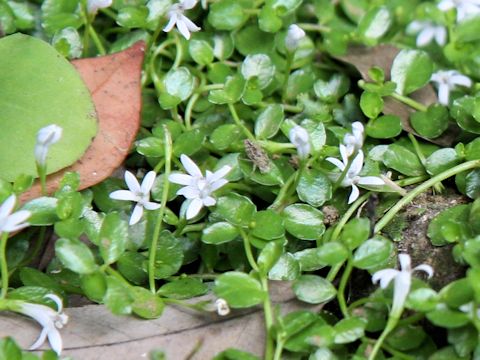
(268, 313)
(3, 264)
(42, 175)
(341, 289)
(292, 108)
(158, 226)
(392, 322)
(314, 27)
(179, 52)
(248, 250)
(96, 40)
(283, 193)
(239, 123)
(188, 111)
(348, 214)
(416, 146)
(409, 101)
(421, 188)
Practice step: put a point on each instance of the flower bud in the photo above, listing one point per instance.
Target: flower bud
(294, 35)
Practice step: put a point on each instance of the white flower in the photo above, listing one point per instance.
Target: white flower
(465, 8)
(198, 188)
(352, 177)
(222, 307)
(299, 137)
(176, 17)
(402, 280)
(354, 141)
(12, 222)
(294, 34)
(428, 31)
(94, 5)
(50, 320)
(446, 81)
(46, 137)
(138, 193)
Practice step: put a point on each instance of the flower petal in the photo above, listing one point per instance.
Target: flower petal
(191, 26)
(188, 4)
(371, 180)
(182, 27)
(149, 205)
(220, 173)
(132, 182)
(190, 166)
(147, 182)
(171, 23)
(182, 179)
(55, 340)
(126, 195)
(16, 221)
(209, 201)
(443, 94)
(336, 162)
(217, 184)
(354, 194)
(461, 80)
(424, 267)
(136, 214)
(194, 208)
(41, 339)
(7, 207)
(425, 36)
(405, 262)
(402, 284)
(441, 35)
(385, 276)
(190, 192)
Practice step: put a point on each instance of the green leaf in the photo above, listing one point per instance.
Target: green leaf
(239, 289)
(169, 256)
(406, 337)
(225, 136)
(330, 91)
(466, 111)
(384, 127)
(75, 255)
(43, 210)
(94, 286)
(260, 67)
(130, 265)
(472, 184)
(251, 40)
(219, 233)
(467, 30)
(304, 221)
(113, 238)
(235, 354)
(132, 17)
(33, 277)
(179, 83)
(59, 14)
(457, 215)
(348, 330)
(314, 187)
(200, 51)
(269, 255)
(38, 91)
(118, 298)
(371, 104)
(442, 160)
(374, 24)
(423, 299)
(189, 142)
(267, 225)
(447, 318)
(457, 293)
(236, 209)
(222, 44)
(373, 253)
(183, 288)
(463, 339)
(227, 15)
(431, 123)
(403, 160)
(268, 20)
(317, 134)
(286, 268)
(9, 350)
(411, 70)
(313, 289)
(269, 121)
(302, 341)
(146, 304)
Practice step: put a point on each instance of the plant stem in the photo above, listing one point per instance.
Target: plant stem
(158, 226)
(178, 54)
(3, 264)
(409, 101)
(392, 322)
(341, 289)
(96, 40)
(421, 188)
(314, 27)
(267, 309)
(239, 123)
(248, 250)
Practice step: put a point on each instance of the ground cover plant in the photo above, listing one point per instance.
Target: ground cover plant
(278, 140)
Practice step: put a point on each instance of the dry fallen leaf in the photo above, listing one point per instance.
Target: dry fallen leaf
(363, 58)
(114, 82)
(94, 333)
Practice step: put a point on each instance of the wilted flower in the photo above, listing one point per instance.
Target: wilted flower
(354, 141)
(46, 137)
(176, 17)
(465, 8)
(94, 5)
(428, 31)
(50, 320)
(352, 177)
(137, 193)
(294, 34)
(222, 307)
(12, 222)
(446, 81)
(299, 137)
(402, 280)
(198, 188)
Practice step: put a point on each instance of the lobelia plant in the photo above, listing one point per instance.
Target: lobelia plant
(252, 126)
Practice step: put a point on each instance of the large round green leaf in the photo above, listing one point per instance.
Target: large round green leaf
(38, 87)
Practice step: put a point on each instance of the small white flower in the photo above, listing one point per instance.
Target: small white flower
(446, 81)
(12, 222)
(428, 31)
(198, 188)
(299, 137)
(46, 137)
(176, 17)
(354, 141)
(222, 307)
(294, 35)
(50, 320)
(465, 8)
(402, 280)
(352, 177)
(137, 193)
(94, 5)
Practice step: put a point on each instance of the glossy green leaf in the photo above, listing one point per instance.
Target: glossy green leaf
(75, 255)
(348, 330)
(118, 298)
(371, 104)
(260, 67)
(431, 123)
(269, 121)
(183, 288)
(403, 160)
(169, 255)
(457, 215)
(411, 70)
(239, 289)
(313, 289)
(47, 90)
(269, 255)
(373, 253)
(286, 268)
(236, 209)
(219, 233)
(304, 221)
(441, 160)
(314, 187)
(384, 127)
(43, 210)
(227, 15)
(146, 304)
(374, 24)
(113, 237)
(406, 338)
(267, 225)
(200, 51)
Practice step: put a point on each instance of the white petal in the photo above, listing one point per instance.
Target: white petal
(336, 162)
(346, 152)
(132, 182)
(194, 208)
(414, 27)
(401, 289)
(405, 262)
(188, 4)
(41, 339)
(446, 5)
(183, 28)
(191, 26)
(190, 192)
(220, 173)
(356, 165)
(7, 207)
(147, 182)
(354, 194)
(385, 276)
(217, 185)
(370, 180)
(181, 179)
(441, 35)
(209, 201)
(425, 36)
(443, 94)
(424, 267)
(136, 214)
(461, 80)
(126, 195)
(171, 23)
(55, 340)
(57, 301)
(16, 221)
(190, 166)
(149, 205)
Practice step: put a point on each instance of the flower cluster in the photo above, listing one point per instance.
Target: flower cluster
(427, 32)
(299, 137)
(446, 81)
(177, 18)
(352, 162)
(465, 8)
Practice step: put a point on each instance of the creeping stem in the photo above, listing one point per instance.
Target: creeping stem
(3, 264)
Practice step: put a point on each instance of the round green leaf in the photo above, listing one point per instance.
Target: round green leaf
(373, 253)
(251, 40)
(269, 121)
(403, 160)
(200, 51)
(384, 127)
(267, 225)
(146, 304)
(236, 209)
(348, 330)
(169, 256)
(227, 15)
(219, 233)
(314, 187)
(455, 215)
(43, 210)
(304, 221)
(411, 70)
(286, 268)
(442, 160)
(260, 67)
(75, 255)
(37, 91)
(431, 123)
(179, 83)
(239, 289)
(113, 237)
(313, 289)
(374, 24)
(183, 288)
(371, 104)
